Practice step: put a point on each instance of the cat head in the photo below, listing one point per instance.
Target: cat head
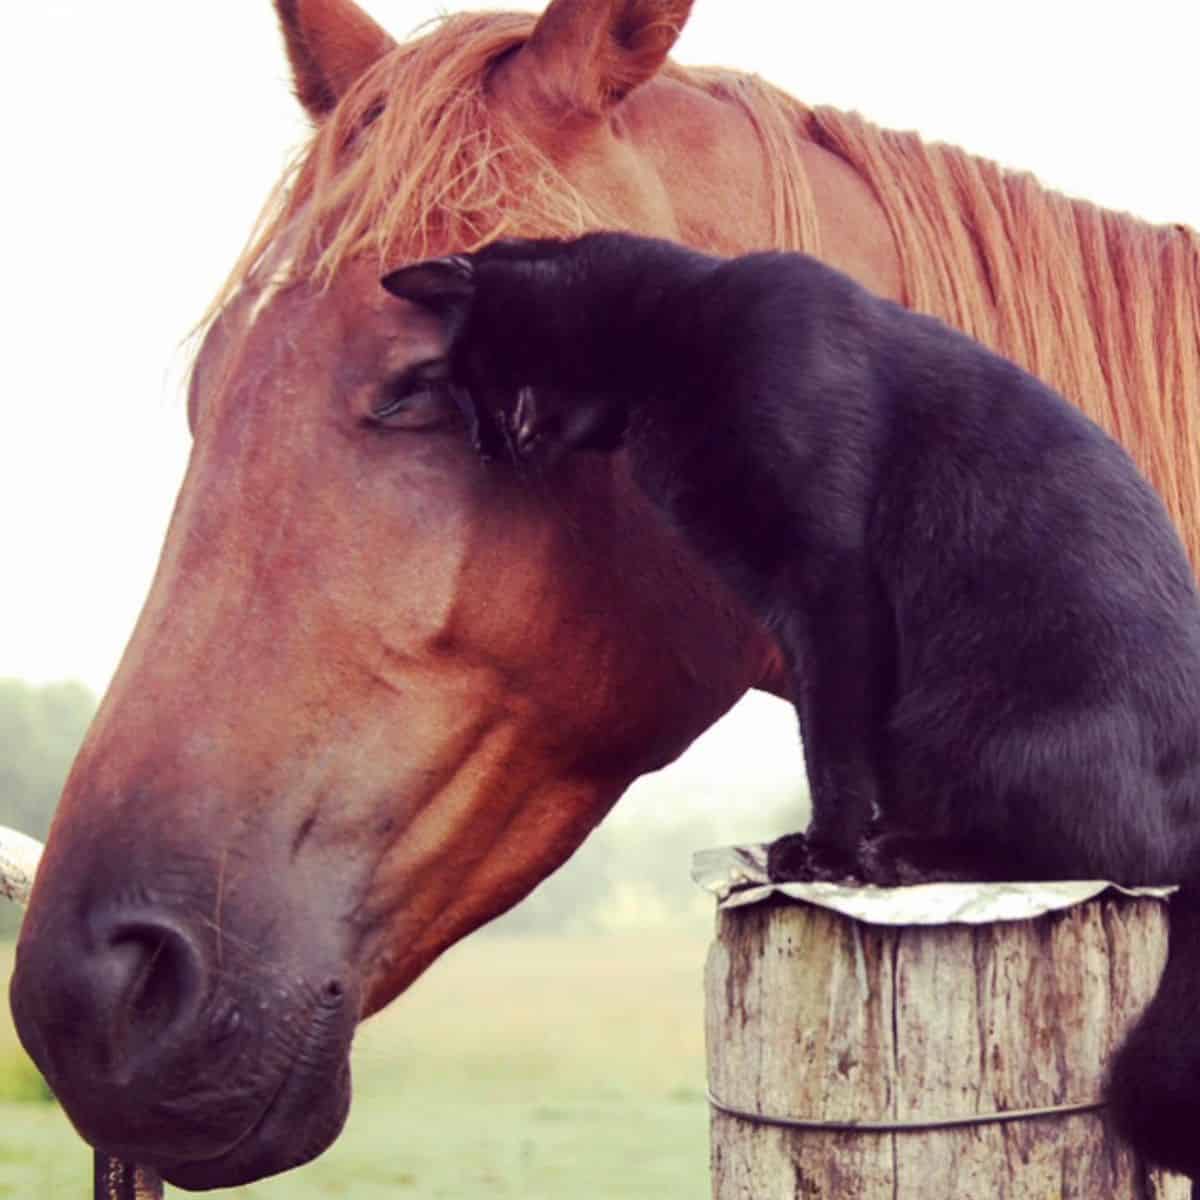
(504, 361)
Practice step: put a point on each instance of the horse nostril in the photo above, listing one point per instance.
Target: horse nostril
(332, 993)
(157, 982)
(148, 977)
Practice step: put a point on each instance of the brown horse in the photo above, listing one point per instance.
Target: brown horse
(378, 691)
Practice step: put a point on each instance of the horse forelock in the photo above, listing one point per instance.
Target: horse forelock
(418, 158)
(411, 161)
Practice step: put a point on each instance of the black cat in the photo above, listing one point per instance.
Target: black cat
(992, 628)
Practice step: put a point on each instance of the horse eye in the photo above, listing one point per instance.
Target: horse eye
(414, 402)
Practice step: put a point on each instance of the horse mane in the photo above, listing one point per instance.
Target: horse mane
(1102, 306)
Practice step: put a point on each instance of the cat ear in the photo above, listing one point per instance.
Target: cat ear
(443, 286)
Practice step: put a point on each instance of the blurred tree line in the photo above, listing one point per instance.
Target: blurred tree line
(41, 728)
(740, 783)
(635, 869)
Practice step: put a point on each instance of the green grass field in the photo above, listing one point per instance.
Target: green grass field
(517, 1067)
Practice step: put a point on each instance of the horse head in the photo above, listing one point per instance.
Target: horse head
(378, 690)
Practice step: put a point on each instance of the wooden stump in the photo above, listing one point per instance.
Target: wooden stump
(814, 1015)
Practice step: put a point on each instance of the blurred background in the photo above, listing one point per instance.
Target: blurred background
(558, 1053)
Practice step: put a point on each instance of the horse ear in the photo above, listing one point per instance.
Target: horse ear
(586, 56)
(443, 286)
(330, 43)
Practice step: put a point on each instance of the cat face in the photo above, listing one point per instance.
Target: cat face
(500, 354)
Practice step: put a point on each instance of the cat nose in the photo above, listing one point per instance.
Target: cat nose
(524, 420)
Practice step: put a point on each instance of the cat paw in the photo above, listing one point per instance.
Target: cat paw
(788, 859)
(902, 859)
(797, 858)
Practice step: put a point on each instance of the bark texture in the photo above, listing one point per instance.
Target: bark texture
(811, 1014)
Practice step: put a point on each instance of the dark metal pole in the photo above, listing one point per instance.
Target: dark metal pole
(117, 1180)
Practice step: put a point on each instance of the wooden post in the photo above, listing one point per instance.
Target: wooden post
(814, 1015)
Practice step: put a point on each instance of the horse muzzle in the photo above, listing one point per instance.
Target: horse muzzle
(215, 1050)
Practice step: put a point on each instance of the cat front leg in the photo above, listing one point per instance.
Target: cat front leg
(839, 645)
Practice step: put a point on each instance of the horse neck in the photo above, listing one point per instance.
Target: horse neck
(784, 190)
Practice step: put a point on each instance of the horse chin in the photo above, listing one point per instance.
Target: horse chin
(300, 1122)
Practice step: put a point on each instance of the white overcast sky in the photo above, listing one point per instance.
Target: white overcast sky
(142, 136)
